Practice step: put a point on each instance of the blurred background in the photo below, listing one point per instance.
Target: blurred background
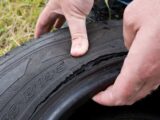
(17, 22)
(18, 18)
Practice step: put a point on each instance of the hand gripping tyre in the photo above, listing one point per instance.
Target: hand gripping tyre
(41, 81)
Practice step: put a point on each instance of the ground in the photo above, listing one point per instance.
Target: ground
(17, 22)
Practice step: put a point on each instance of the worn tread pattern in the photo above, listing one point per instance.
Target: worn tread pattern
(29, 73)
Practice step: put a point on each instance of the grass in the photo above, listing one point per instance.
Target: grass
(17, 22)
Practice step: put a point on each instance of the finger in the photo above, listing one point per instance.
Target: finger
(78, 31)
(133, 78)
(148, 59)
(59, 22)
(129, 27)
(121, 93)
(127, 84)
(45, 22)
(142, 94)
(129, 35)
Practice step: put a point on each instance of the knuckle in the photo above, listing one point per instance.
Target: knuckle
(129, 17)
(79, 36)
(76, 9)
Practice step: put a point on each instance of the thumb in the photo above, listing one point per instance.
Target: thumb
(105, 97)
(77, 26)
(121, 92)
(127, 85)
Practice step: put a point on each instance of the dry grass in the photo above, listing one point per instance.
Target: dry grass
(17, 22)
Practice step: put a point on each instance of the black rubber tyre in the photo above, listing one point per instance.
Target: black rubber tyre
(34, 72)
(41, 81)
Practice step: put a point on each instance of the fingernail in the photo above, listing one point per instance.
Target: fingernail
(79, 47)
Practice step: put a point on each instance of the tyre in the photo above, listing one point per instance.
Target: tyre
(42, 71)
(41, 81)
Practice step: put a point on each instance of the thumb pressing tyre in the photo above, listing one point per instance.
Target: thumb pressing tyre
(41, 81)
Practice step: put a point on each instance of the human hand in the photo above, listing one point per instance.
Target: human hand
(74, 11)
(140, 74)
